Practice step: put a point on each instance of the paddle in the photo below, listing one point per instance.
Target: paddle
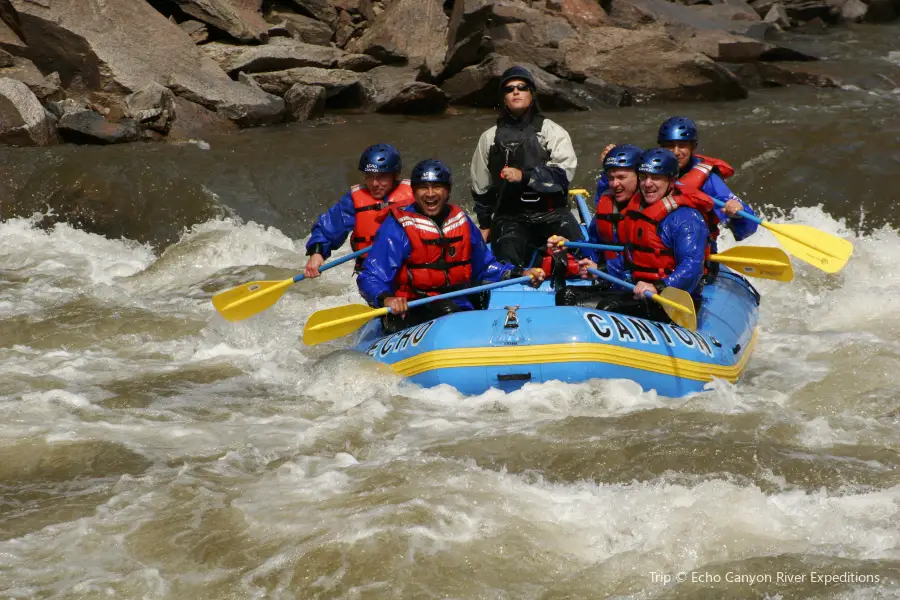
(678, 304)
(754, 261)
(251, 298)
(822, 250)
(582, 205)
(332, 323)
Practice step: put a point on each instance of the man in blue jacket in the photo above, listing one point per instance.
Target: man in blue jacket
(427, 249)
(666, 241)
(361, 210)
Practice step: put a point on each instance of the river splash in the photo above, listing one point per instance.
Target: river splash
(151, 449)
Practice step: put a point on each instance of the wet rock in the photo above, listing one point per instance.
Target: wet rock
(407, 28)
(305, 102)
(153, 107)
(343, 89)
(196, 30)
(763, 75)
(87, 127)
(282, 53)
(658, 67)
(23, 121)
(479, 85)
(194, 122)
(854, 10)
(303, 28)
(882, 11)
(396, 90)
(725, 47)
(238, 18)
(119, 46)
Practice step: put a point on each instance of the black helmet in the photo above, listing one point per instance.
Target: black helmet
(517, 73)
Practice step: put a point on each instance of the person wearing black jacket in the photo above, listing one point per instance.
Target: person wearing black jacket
(520, 174)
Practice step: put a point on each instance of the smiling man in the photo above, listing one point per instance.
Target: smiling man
(427, 249)
(361, 210)
(520, 172)
(666, 238)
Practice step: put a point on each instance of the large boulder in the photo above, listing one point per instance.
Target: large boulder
(725, 47)
(343, 89)
(153, 107)
(280, 54)
(303, 28)
(46, 88)
(304, 102)
(467, 39)
(677, 17)
(656, 66)
(581, 12)
(88, 127)
(194, 122)
(238, 18)
(763, 75)
(396, 90)
(119, 46)
(479, 85)
(410, 28)
(320, 10)
(23, 121)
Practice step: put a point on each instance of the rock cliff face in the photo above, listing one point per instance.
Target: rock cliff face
(68, 68)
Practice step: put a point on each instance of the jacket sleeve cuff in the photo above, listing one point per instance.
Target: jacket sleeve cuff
(381, 298)
(660, 286)
(316, 248)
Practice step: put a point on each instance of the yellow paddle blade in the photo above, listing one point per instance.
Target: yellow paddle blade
(248, 299)
(822, 250)
(679, 306)
(580, 192)
(332, 323)
(757, 261)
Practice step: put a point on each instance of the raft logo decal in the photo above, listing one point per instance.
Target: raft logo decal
(631, 330)
(400, 340)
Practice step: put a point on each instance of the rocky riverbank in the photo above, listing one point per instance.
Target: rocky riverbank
(114, 71)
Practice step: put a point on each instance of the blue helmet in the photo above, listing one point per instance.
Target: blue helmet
(380, 158)
(677, 129)
(431, 171)
(623, 156)
(659, 161)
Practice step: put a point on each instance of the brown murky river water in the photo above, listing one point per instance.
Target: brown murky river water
(150, 449)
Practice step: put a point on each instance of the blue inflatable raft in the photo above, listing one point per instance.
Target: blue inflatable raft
(524, 337)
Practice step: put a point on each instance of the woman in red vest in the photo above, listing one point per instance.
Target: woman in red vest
(426, 249)
(362, 209)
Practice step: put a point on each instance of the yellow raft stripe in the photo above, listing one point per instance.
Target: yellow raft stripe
(575, 352)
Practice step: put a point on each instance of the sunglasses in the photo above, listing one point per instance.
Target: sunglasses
(510, 88)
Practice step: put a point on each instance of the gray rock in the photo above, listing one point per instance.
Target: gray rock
(336, 82)
(305, 102)
(153, 107)
(778, 16)
(303, 28)
(47, 89)
(854, 10)
(764, 75)
(396, 90)
(196, 30)
(282, 53)
(320, 10)
(357, 62)
(131, 46)
(407, 28)
(238, 18)
(6, 59)
(467, 38)
(194, 122)
(87, 127)
(23, 121)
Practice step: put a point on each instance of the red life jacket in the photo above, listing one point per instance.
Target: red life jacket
(646, 256)
(440, 259)
(370, 213)
(699, 173)
(609, 223)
